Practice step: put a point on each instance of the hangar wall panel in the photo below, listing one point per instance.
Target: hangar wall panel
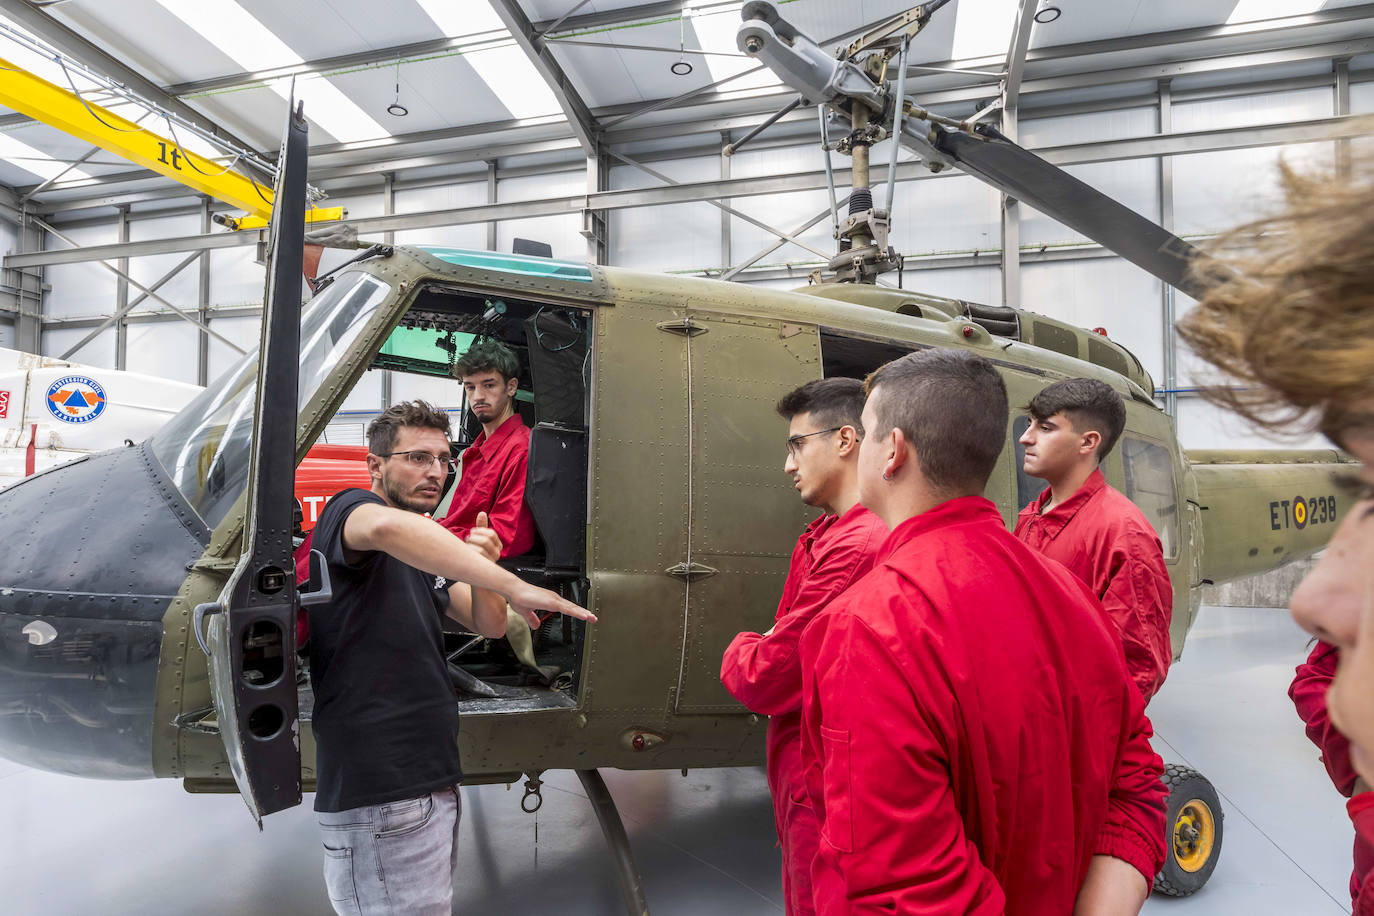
(1103, 293)
(183, 289)
(243, 330)
(1362, 98)
(170, 349)
(444, 197)
(9, 236)
(972, 284)
(559, 231)
(1248, 110)
(673, 237)
(954, 214)
(7, 334)
(440, 392)
(100, 352)
(235, 278)
(81, 290)
(781, 211)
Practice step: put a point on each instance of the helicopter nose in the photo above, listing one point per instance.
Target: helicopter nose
(105, 546)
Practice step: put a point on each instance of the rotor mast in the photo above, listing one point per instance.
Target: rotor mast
(853, 85)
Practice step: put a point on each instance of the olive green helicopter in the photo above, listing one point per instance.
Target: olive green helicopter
(654, 479)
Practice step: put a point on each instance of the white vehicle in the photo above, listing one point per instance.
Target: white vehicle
(53, 411)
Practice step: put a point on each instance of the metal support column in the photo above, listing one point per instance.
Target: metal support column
(29, 290)
(389, 208)
(594, 222)
(1010, 100)
(1341, 71)
(491, 200)
(1166, 219)
(203, 300)
(726, 256)
(122, 295)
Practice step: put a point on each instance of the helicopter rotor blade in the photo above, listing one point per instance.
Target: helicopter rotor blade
(1021, 174)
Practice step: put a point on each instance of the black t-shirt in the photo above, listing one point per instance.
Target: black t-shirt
(386, 715)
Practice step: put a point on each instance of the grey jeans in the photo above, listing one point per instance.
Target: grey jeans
(393, 858)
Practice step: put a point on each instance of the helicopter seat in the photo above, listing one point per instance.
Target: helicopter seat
(556, 493)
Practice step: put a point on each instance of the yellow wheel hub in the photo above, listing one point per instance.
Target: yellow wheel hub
(1194, 833)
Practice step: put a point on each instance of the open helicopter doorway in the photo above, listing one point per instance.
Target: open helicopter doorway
(526, 670)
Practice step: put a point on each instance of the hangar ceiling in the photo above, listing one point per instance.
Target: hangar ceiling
(546, 84)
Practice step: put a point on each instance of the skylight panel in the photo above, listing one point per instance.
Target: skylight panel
(982, 28)
(20, 155)
(456, 19)
(505, 69)
(254, 47)
(715, 27)
(1252, 10)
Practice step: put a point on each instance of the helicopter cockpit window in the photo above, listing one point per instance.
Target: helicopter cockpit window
(844, 356)
(552, 344)
(205, 447)
(1150, 485)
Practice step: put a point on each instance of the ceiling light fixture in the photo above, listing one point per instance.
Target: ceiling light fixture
(1047, 13)
(396, 109)
(681, 67)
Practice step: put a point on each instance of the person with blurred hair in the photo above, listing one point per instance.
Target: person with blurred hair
(1288, 319)
(971, 739)
(763, 670)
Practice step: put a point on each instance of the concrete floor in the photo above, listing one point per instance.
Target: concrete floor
(704, 842)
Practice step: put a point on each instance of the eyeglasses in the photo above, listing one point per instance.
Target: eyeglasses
(794, 443)
(421, 459)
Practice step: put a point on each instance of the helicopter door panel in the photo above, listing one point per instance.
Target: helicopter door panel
(745, 513)
(639, 510)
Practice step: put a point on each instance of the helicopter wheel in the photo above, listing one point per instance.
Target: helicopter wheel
(1193, 841)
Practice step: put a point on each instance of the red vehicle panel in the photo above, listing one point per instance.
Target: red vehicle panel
(326, 470)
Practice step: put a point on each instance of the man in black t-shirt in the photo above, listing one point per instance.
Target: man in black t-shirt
(386, 717)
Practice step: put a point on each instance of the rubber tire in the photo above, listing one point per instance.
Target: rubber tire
(1184, 785)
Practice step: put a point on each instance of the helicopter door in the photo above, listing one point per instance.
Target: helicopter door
(251, 631)
(745, 513)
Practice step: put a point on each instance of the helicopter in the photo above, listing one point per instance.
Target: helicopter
(147, 617)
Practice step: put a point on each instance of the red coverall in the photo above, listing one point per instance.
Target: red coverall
(493, 482)
(1107, 542)
(1308, 694)
(970, 730)
(764, 673)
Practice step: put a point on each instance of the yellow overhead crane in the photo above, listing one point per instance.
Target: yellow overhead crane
(60, 108)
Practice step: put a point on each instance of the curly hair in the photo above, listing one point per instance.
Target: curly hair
(381, 432)
(488, 355)
(1290, 309)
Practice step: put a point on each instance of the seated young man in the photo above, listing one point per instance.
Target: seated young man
(971, 740)
(1093, 529)
(493, 470)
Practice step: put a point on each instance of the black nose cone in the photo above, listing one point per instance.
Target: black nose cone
(91, 555)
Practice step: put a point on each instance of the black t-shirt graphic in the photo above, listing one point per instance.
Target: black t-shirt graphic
(386, 716)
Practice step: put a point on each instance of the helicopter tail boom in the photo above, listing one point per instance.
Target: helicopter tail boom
(1260, 510)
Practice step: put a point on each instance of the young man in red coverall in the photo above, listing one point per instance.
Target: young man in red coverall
(493, 476)
(971, 739)
(1308, 694)
(1092, 528)
(763, 671)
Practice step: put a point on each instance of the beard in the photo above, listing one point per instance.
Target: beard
(411, 502)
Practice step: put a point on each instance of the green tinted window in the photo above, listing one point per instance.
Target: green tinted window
(512, 263)
(424, 350)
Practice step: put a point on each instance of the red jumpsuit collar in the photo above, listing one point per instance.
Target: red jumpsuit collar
(958, 511)
(503, 432)
(1053, 521)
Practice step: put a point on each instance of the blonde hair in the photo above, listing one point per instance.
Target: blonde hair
(1289, 312)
